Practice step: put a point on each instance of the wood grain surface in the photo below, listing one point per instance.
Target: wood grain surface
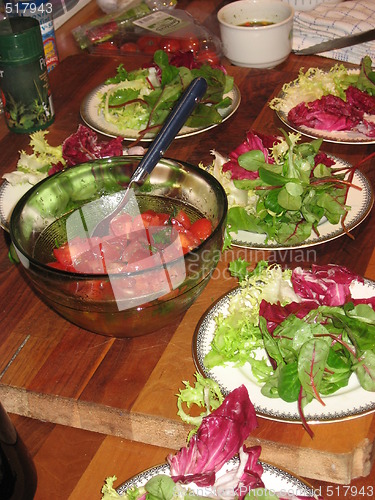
(70, 390)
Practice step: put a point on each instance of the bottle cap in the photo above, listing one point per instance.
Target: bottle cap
(20, 39)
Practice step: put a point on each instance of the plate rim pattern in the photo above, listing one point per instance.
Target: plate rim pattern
(304, 488)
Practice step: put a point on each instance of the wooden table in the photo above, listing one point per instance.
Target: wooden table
(89, 406)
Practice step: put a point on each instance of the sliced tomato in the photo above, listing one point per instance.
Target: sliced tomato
(133, 242)
(202, 228)
(121, 225)
(179, 227)
(150, 218)
(164, 219)
(62, 255)
(91, 262)
(183, 218)
(67, 254)
(61, 267)
(188, 241)
(136, 250)
(112, 250)
(137, 223)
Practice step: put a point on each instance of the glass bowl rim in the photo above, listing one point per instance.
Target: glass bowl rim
(101, 276)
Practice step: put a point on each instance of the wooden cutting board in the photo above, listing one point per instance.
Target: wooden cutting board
(53, 371)
(128, 388)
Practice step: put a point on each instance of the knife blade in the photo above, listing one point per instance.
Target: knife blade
(337, 43)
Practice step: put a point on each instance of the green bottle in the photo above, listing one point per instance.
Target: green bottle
(24, 83)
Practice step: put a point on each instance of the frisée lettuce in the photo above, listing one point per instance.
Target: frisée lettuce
(33, 167)
(237, 335)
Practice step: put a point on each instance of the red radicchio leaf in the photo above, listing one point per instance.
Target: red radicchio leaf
(218, 439)
(84, 146)
(237, 172)
(246, 476)
(57, 167)
(360, 100)
(254, 141)
(275, 314)
(185, 59)
(367, 128)
(251, 477)
(333, 113)
(315, 115)
(328, 285)
(370, 301)
(321, 157)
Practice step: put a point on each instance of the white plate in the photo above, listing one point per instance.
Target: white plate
(9, 196)
(348, 402)
(336, 136)
(360, 201)
(96, 121)
(274, 479)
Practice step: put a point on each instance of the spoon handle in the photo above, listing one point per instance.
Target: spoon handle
(172, 125)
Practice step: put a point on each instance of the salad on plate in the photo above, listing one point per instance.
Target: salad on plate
(136, 103)
(216, 463)
(282, 188)
(43, 159)
(304, 332)
(336, 105)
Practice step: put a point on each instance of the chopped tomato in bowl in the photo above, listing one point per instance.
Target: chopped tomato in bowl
(158, 255)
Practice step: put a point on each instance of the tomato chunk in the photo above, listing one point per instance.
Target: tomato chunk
(121, 225)
(133, 243)
(202, 228)
(183, 218)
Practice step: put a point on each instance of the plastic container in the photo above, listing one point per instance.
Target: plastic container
(104, 28)
(24, 83)
(41, 10)
(109, 6)
(173, 31)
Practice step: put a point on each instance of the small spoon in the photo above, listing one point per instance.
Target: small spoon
(172, 125)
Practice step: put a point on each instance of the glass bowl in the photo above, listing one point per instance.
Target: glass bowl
(131, 300)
